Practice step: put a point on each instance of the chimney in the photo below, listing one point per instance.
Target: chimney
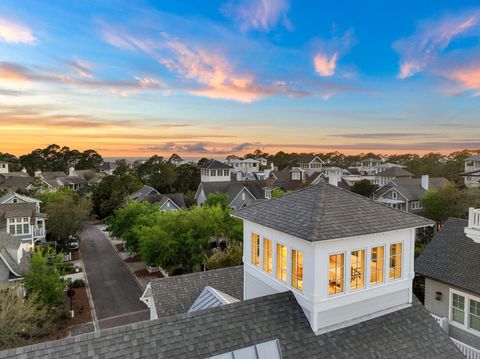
(425, 181)
(37, 173)
(71, 171)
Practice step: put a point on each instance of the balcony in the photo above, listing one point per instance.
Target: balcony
(38, 232)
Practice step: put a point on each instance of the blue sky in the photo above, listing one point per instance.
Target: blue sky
(216, 77)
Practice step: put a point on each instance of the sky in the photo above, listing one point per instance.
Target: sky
(211, 78)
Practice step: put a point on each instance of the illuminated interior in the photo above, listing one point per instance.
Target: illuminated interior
(297, 269)
(336, 273)
(267, 255)
(357, 269)
(395, 260)
(255, 249)
(282, 262)
(376, 265)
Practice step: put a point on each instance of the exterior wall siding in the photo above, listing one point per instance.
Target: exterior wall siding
(437, 307)
(238, 201)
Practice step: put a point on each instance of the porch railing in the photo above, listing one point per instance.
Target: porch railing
(474, 218)
(467, 350)
(38, 232)
(441, 321)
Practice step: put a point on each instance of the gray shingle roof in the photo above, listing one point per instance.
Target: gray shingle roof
(452, 257)
(412, 187)
(176, 294)
(9, 246)
(232, 189)
(215, 165)
(143, 193)
(473, 158)
(395, 172)
(324, 212)
(14, 183)
(409, 333)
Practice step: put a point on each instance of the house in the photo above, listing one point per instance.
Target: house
(345, 257)
(108, 168)
(451, 269)
(16, 183)
(244, 166)
(311, 163)
(167, 202)
(218, 177)
(405, 193)
(20, 216)
(472, 171)
(3, 167)
(178, 294)
(198, 319)
(215, 171)
(390, 174)
(14, 260)
(58, 179)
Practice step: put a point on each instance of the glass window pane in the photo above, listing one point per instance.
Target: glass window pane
(282, 262)
(297, 269)
(458, 308)
(395, 261)
(376, 265)
(475, 315)
(336, 274)
(267, 255)
(255, 249)
(357, 269)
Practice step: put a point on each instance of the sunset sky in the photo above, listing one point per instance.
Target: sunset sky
(210, 78)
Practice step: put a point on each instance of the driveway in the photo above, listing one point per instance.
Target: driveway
(115, 293)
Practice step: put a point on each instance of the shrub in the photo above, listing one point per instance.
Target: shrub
(78, 283)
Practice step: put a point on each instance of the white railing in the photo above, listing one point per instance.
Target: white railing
(67, 257)
(467, 350)
(152, 269)
(38, 232)
(474, 218)
(441, 321)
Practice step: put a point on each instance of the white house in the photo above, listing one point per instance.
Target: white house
(311, 164)
(472, 171)
(451, 270)
(346, 258)
(3, 167)
(215, 171)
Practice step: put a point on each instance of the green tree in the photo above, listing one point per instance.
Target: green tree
(278, 192)
(22, 319)
(66, 217)
(89, 159)
(44, 278)
(125, 220)
(216, 199)
(158, 174)
(188, 178)
(364, 187)
(231, 256)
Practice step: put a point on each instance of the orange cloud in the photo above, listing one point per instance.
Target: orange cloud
(469, 78)
(325, 66)
(15, 33)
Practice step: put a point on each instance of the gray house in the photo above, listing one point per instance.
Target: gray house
(167, 202)
(451, 267)
(405, 193)
(13, 259)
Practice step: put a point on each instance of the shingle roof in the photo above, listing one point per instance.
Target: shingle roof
(324, 212)
(452, 257)
(14, 183)
(395, 172)
(143, 192)
(473, 158)
(215, 165)
(9, 246)
(106, 166)
(308, 158)
(409, 333)
(412, 187)
(211, 297)
(233, 188)
(176, 294)
(177, 198)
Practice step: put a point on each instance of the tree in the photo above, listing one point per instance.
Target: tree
(123, 223)
(364, 188)
(277, 192)
(66, 217)
(188, 178)
(112, 191)
(44, 278)
(89, 159)
(21, 319)
(231, 256)
(216, 199)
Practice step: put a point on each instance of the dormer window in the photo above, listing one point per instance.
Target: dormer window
(394, 195)
(268, 193)
(297, 270)
(295, 175)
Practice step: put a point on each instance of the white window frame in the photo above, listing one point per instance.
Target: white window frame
(20, 221)
(466, 319)
(346, 272)
(416, 205)
(296, 175)
(394, 195)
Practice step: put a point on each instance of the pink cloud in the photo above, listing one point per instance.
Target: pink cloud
(15, 33)
(431, 39)
(325, 65)
(262, 15)
(468, 77)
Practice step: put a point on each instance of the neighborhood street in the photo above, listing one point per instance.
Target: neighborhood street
(115, 293)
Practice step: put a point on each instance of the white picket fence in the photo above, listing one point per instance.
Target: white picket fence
(467, 350)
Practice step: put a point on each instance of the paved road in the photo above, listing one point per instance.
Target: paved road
(115, 292)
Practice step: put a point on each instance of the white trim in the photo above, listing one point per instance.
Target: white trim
(394, 187)
(238, 194)
(10, 268)
(169, 200)
(466, 316)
